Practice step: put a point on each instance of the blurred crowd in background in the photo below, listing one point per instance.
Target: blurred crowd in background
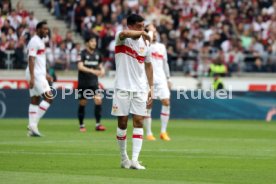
(239, 34)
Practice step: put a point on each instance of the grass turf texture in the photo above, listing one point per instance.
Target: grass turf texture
(201, 152)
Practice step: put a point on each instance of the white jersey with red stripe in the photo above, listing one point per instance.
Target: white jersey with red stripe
(130, 56)
(159, 62)
(36, 48)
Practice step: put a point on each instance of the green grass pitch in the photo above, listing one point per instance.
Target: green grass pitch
(201, 152)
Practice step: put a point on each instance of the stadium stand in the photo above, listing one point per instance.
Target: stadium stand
(197, 33)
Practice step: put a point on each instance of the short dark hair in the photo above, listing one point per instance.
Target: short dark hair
(134, 18)
(40, 24)
(90, 37)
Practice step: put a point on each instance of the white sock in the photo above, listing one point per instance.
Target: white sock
(42, 108)
(165, 116)
(137, 141)
(122, 142)
(147, 122)
(33, 114)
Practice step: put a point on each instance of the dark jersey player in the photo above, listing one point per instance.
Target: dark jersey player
(90, 68)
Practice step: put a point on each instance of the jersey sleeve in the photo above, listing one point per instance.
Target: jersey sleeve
(118, 41)
(81, 57)
(148, 55)
(32, 48)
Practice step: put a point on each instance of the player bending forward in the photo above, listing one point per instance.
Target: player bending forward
(131, 93)
(161, 83)
(38, 79)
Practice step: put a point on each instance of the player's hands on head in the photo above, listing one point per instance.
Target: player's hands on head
(146, 36)
(151, 28)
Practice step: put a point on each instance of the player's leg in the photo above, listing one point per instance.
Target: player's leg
(148, 119)
(147, 124)
(41, 87)
(122, 140)
(270, 114)
(33, 108)
(98, 112)
(45, 90)
(164, 116)
(44, 104)
(81, 113)
(137, 141)
(81, 108)
(138, 109)
(120, 108)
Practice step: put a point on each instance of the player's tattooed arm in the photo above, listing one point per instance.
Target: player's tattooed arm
(133, 34)
(85, 69)
(31, 69)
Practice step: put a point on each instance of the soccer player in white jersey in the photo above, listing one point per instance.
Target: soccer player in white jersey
(161, 85)
(134, 76)
(38, 79)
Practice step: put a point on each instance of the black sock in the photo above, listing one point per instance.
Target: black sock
(98, 113)
(81, 114)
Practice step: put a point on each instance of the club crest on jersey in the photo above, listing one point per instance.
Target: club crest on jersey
(141, 50)
(114, 108)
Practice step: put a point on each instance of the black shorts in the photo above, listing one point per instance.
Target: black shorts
(88, 92)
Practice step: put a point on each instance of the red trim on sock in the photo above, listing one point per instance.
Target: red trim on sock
(164, 114)
(121, 138)
(32, 112)
(42, 108)
(135, 136)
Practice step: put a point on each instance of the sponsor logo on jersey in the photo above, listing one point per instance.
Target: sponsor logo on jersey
(91, 63)
(141, 50)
